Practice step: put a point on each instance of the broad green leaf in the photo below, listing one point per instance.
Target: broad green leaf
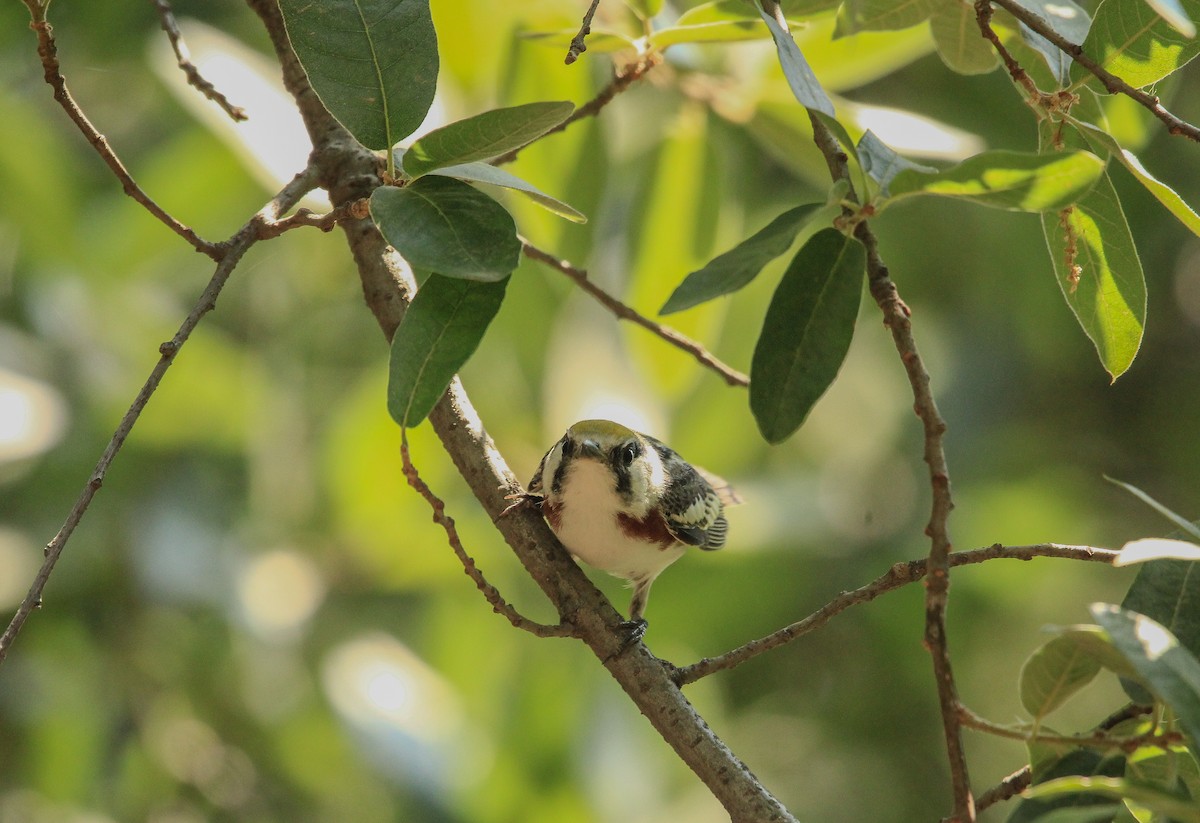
(1156, 548)
(800, 77)
(1173, 12)
(445, 225)
(1169, 591)
(1097, 267)
(373, 63)
(484, 173)
(726, 31)
(882, 163)
(735, 268)
(1065, 17)
(882, 15)
(439, 332)
(732, 11)
(1128, 38)
(1053, 673)
(483, 136)
(645, 9)
(959, 42)
(1172, 769)
(1178, 809)
(1074, 762)
(1161, 191)
(806, 332)
(1095, 643)
(1011, 180)
(1170, 670)
(853, 61)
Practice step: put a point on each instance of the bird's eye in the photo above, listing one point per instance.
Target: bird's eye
(628, 454)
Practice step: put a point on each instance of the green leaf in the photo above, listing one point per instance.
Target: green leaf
(484, 136)
(1161, 191)
(735, 268)
(806, 332)
(439, 332)
(1172, 11)
(1179, 520)
(1075, 762)
(1053, 673)
(1065, 17)
(882, 15)
(1106, 289)
(373, 63)
(1129, 39)
(483, 173)
(645, 9)
(726, 31)
(882, 163)
(1169, 591)
(445, 225)
(799, 75)
(1017, 181)
(1179, 810)
(1170, 670)
(959, 42)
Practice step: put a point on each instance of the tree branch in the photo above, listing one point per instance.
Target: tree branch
(491, 593)
(578, 46)
(234, 249)
(1111, 82)
(623, 312)
(51, 72)
(901, 574)
(184, 60)
(1006, 789)
(349, 171)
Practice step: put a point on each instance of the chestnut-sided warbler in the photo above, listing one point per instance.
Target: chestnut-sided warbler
(628, 505)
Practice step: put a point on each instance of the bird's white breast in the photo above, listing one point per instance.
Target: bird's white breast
(589, 528)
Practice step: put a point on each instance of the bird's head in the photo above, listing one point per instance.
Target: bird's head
(629, 460)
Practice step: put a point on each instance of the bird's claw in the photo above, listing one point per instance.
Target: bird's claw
(636, 630)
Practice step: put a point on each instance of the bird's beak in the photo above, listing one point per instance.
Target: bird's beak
(590, 448)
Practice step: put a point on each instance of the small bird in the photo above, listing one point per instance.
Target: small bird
(628, 505)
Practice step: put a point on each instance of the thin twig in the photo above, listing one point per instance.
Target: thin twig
(578, 46)
(48, 53)
(901, 574)
(731, 376)
(490, 592)
(1111, 82)
(622, 80)
(184, 59)
(1006, 789)
(1100, 739)
(896, 317)
(983, 18)
(354, 210)
(235, 248)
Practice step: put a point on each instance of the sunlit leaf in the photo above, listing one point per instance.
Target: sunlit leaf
(373, 63)
(882, 15)
(1130, 39)
(645, 9)
(806, 332)
(1098, 269)
(1173, 12)
(485, 173)
(1088, 807)
(1011, 180)
(959, 41)
(483, 136)
(882, 163)
(735, 268)
(445, 225)
(727, 31)
(1170, 670)
(1176, 808)
(440, 331)
(800, 77)
(1053, 673)
(1156, 548)
(1161, 191)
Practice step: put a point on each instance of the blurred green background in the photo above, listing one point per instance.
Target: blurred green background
(257, 620)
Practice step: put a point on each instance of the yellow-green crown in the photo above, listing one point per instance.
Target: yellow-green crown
(599, 430)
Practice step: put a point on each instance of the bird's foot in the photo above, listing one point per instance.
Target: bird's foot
(634, 631)
(519, 499)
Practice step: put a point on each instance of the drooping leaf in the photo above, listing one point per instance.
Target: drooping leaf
(1156, 548)
(483, 136)
(439, 332)
(1065, 17)
(1017, 181)
(1169, 591)
(447, 226)
(1074, 762)
(1130, 39)
(1179, 520)
(1175, 204)
(1173, 12)
(373, 63)
(959, 42)
(882, 163)
(806, 332)
(735, 268)
(1053, 673)
(1098, 269)
(1171, 671)
(882, 15)
(1170, 806)
(800, 77)
(645, 9)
